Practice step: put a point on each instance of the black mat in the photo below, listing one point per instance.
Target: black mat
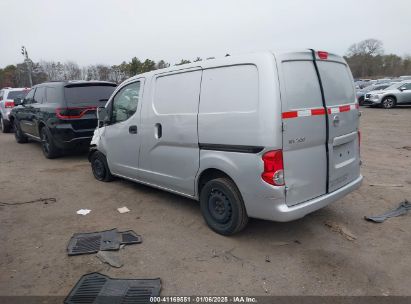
(96, 288)
(84, 243)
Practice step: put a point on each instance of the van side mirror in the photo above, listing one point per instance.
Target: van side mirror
(402, 89)
(102, 115)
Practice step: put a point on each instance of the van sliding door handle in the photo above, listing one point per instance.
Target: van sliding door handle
(159, 130)
(132, 130)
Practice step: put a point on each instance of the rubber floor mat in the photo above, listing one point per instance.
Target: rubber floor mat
(84, 243)
(96, 288)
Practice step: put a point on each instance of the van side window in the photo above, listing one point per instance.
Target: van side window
(125, 102)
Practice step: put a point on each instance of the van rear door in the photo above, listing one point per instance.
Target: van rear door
(320, 125)
(343, 121)
(304, 128)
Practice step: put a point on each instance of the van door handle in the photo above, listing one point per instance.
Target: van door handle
(132, 130)
(159, 130)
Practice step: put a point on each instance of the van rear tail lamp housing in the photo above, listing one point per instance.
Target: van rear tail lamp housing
(273, 168)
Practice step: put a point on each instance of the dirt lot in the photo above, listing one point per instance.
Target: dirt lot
(306, 257)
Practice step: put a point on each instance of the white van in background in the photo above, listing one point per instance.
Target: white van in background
(267, 135)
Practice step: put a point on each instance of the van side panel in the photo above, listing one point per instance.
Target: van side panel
(170, 153)
(240, 105)
(228, 113)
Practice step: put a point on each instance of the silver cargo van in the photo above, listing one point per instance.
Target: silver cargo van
(268, 135)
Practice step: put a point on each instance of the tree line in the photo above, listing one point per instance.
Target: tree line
(366, 60)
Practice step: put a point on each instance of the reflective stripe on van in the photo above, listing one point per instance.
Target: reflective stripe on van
(319, 111)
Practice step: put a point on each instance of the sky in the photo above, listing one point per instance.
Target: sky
(110, 32)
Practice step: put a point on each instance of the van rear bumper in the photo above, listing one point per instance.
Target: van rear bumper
(280, 212)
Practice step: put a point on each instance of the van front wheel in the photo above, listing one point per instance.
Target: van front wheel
(222, 206)
(100, 167)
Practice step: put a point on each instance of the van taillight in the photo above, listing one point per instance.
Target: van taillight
(9, 104)
(323, 55)
(273, 168)
(73, 113)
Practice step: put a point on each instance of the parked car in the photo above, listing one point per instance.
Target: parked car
(60, 115)
(248, 136)
(361, 93)
(7, 97)
(398, 93)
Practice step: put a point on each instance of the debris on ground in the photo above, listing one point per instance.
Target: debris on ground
(98, 288)
(387, 185)
(85, 243)
(267, 259)
(400, 210)
(83, 211)
(408, 148)
(123, 210)
(110, 258)
(341, 230)
(45, 201)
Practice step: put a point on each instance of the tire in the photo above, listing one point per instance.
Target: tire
(222, 206)
(48, 146)
(388, 102)
(361, 101)
(5, 127)
(100, 168)
(18, 133)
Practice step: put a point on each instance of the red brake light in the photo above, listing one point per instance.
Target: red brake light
(273, 168)
(73, 113)
(9, 104)
(323, 55)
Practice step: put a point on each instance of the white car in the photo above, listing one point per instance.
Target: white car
(7, 96)
(398, 93)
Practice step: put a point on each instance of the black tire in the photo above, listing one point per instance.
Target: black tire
(100, 168)
(222, 206)
(388, 102)
(361, 101)
(18, 133)
(48, 146)
(4, 127)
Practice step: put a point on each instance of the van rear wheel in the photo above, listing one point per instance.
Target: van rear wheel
(100, 167)
(222, 206)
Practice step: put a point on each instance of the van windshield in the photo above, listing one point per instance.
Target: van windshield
(90, 94)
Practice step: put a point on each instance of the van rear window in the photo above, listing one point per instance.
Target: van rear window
(337, 83)
(88, 95)
(302, 89)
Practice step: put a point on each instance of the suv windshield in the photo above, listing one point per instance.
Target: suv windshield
(17, 94)
(90, 94)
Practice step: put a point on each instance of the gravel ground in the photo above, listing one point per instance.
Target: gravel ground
(304, 257)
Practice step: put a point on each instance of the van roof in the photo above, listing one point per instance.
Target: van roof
(238, 59)
(68, 83)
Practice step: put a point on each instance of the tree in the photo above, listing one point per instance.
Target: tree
(183, 61)
(370, 47)
(198, 59)
(162, 64)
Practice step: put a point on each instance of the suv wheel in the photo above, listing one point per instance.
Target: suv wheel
(18, 133)
(100, 167)
(222, 206)
(5, 128)
(388, 102)
(47, 144)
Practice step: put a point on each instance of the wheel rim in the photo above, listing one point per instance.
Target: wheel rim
(98, 168)
(1, 123)
(219, 206)
(16, 130)
(388, 103)
(45, 142)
